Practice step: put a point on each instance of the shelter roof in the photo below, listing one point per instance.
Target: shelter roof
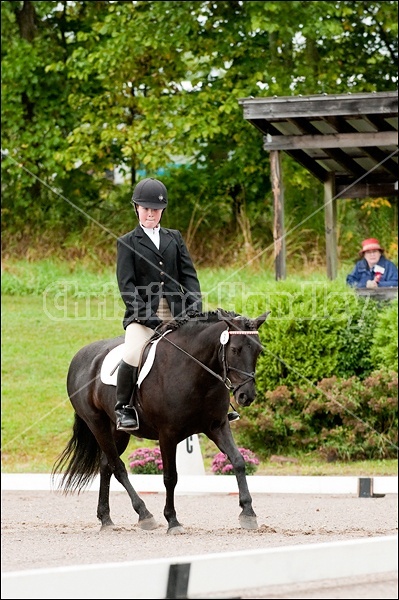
(352, 138)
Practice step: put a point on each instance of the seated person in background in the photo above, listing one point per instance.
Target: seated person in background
(373, 270)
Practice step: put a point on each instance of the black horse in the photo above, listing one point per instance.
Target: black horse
(199, 362)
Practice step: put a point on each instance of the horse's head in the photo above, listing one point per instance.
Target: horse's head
(240, 348)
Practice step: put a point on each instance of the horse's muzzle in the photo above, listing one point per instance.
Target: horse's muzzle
(243, 399)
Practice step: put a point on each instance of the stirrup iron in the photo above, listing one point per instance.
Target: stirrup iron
(233, 416)
(134, 419)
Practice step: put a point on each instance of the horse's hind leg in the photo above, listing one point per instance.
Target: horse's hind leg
(103, 510)
(112, 464)
(146, 519)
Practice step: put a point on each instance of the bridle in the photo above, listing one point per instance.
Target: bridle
(224, 339)
(226, 368)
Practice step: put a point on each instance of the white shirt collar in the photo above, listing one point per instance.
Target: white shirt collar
(153, 233)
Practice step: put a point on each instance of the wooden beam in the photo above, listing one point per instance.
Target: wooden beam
(380, 123)
(365, 190)
(347, 163)
(323, 106)
(376, 154)
(332, 140)
(388, 164)
(310, 165)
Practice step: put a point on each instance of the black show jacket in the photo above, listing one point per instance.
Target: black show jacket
(145, 274)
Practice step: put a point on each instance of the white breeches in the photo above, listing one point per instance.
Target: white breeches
(137, 335)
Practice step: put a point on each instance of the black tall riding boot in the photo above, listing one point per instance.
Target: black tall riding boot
(126, 415)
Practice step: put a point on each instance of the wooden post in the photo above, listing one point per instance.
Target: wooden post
(278, 206)
(330, 224)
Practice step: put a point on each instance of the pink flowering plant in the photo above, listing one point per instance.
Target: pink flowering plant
(222, 466)
(146, 461)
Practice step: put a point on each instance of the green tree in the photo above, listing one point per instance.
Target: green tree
(153, 87)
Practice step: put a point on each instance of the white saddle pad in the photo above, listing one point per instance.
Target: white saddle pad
(110, 366)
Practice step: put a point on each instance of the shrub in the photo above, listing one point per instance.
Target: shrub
(221, 465)
(354, 341)
(317, 332)
(384, 349)
(146, 461)
(341, 419)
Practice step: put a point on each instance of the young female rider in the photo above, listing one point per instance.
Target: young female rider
(157, 281)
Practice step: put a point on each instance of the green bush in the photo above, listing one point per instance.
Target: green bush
(384, 348)
(327, 379)
(356, 339)
(324, 331)
(341, 419)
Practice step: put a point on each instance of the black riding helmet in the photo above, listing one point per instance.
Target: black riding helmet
(150, 193)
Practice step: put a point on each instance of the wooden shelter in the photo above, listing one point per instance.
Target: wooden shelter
(349, 142)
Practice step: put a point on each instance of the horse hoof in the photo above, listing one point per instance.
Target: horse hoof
(176, 530)
(148, 524)
(248, 522)
(107, 525)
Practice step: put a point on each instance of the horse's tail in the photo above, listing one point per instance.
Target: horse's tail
(80, 461)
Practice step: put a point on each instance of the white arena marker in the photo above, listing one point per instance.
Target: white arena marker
(189, 459)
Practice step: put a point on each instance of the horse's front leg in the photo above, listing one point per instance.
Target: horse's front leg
(168, 451)
(224, 440)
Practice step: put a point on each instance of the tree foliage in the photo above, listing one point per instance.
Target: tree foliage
(153, 87)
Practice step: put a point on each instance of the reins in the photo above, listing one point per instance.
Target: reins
(224, 338)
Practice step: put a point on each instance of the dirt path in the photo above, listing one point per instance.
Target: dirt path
(47, 529)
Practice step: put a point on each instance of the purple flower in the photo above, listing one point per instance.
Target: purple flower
(146, 461)
(221, 465)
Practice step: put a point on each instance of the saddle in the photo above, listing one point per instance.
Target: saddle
(110, 365)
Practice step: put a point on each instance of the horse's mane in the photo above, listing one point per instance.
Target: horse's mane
(195, 319)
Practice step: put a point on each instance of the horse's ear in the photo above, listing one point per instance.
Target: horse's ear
(260, 320)
(223, 314)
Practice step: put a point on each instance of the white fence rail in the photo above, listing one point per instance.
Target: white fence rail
(182, 577)
(196, 484)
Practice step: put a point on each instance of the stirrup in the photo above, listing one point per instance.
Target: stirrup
(233, 416)
(132, 419)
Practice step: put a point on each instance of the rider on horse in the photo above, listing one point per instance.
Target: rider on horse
(158, 283)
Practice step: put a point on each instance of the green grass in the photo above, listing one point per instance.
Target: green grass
(36, 351)
(49, 311)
